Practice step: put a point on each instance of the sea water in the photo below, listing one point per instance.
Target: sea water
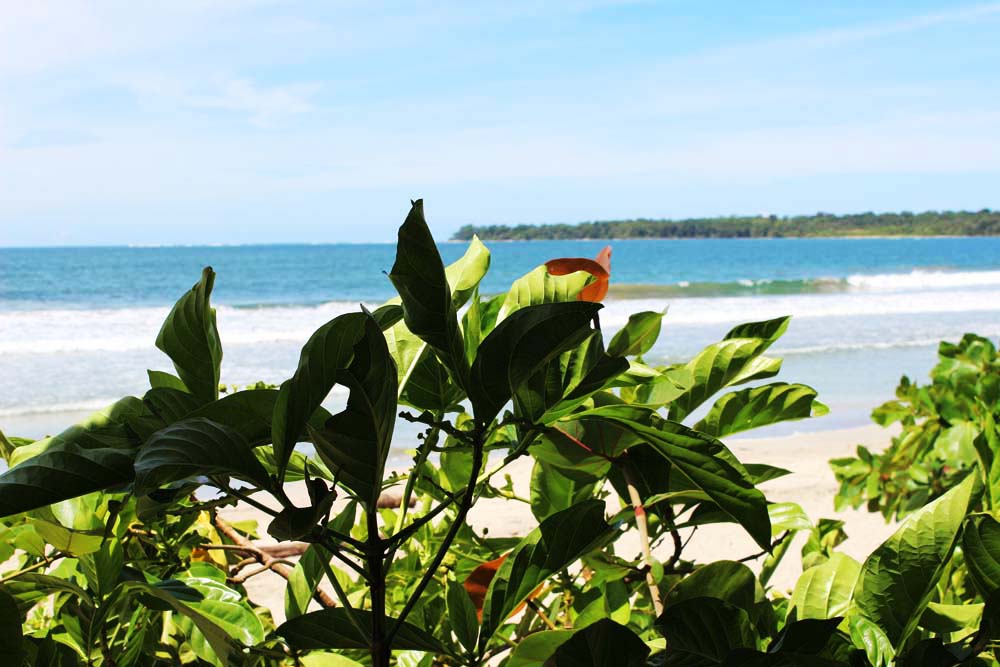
(77, 325)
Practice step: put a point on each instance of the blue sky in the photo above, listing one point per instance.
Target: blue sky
(249, 122)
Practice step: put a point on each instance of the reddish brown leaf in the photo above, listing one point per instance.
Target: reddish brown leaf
(479, 582)
(600, 268)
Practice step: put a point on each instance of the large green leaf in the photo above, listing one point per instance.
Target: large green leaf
(224, 647)
(428, 309)
(408, 350)
(226, 609)
(759, 406)
(195, 447)
(724, 580)
(538, 287)
(248, 412)
(981, 548)
(556, 543)
(899, 578)
(27, 589)
(305, 577)
(638, 335)
(170, 404)
(327, 354)
(521, 345)
(190, 338)
(105, 428)
(355, 442)
(535, 649)
(429, 385)
(702, 631)
(734, 360)
(63, 471)
(332, 628)
(566, 381)
(824, 591)
(707, 465)
(601, 644)
(555, 489)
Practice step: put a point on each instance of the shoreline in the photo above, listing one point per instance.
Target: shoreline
(811, 485)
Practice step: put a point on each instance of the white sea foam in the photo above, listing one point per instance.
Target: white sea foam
(923, 279)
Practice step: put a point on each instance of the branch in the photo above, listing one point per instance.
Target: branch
(267, 560)
(647, 555)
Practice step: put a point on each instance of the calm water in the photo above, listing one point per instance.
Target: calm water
(77, 324)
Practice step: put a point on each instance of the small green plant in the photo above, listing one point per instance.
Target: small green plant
(118, 556)
(946, 428)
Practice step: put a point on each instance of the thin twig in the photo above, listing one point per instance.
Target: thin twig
(647, 554)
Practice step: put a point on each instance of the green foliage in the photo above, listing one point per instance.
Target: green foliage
(929, 223)
(947, 428)
(116, 551)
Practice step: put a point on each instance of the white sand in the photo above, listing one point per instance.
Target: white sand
(811, 485)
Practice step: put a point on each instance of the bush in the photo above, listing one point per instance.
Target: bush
(120, 557)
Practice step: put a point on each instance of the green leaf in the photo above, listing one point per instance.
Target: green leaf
(105, 428)
(224, 647)
(226, 609)
(759, 406)
(566, 381)
(734, 360)
(428, 308)
(638, 335)
(538, 287)
(64, 471)
(195, 447)
(27, 589)
(870, 637)
(465, 274)
(305, 577)
(708, 466)
(945, 618)
(249, 412)
(824, 591)
(160, 379)
(332, 628)
(981, 548)
(430, 387)
(724, 580)
(170, 404)
(556, 543)
(702, 631)
(462, 615)
(355, 442)
(190, 338)
(601, 644)
(555, 489)
(519, 346)
(535, 649)
(327, 354)
(899, 578)
(12, 650)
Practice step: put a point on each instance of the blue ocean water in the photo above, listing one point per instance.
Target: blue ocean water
(77, 325)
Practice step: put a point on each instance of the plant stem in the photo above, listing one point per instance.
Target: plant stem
(381, 651)
(479, 437)
(640, 521)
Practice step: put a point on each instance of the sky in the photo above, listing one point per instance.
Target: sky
(197, 122)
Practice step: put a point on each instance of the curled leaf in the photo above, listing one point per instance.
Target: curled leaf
(600, 268)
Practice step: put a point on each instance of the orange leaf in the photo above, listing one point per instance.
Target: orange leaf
(600, 268)
(479, 582)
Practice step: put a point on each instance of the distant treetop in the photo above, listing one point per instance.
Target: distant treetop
(929, 223)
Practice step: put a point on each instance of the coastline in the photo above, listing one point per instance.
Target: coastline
(811, 485)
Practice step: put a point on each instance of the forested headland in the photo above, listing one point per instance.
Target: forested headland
(929, 223)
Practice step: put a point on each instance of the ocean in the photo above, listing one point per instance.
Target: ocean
(77, 325)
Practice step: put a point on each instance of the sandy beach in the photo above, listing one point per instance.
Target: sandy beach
(811, 485)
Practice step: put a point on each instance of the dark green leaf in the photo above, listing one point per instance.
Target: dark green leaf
(190, 338)
(62, 472)
(355, 442)
(195, 447)
(555, 489)
(519, 346)
(601, 644)
(535, 649)
(724, 580)
(981, 547)
(12, 650)
(331, 628)
(702, 631)
(462, 615)
(325, 356)
(428, 309)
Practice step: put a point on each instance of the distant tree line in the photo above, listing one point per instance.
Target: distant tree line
(928, 223)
